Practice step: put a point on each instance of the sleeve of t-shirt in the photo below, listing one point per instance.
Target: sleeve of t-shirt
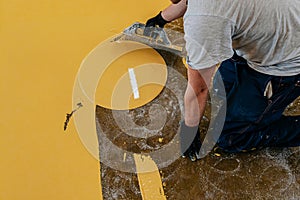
(208, 40)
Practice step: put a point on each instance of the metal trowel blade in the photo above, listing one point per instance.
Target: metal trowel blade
(154, 37)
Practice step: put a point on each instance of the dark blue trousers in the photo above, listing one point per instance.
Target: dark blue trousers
(254, 120)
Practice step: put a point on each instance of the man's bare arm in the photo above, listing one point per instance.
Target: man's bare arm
(196, 94)
(174, 11)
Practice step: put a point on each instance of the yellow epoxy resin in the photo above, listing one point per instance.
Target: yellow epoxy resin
(112, 66)
(42, 46)
(150, 73)
(149, 178)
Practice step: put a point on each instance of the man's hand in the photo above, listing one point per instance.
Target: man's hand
(190, 142)
(172, 12)
(175, 1)
(158, 20)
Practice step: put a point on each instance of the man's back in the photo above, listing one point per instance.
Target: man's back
(266, 33)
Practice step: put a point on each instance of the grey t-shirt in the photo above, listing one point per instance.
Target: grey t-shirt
(265, 32)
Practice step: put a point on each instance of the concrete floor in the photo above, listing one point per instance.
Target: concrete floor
(266, 174)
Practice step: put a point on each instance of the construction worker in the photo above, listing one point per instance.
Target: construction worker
(261, 80)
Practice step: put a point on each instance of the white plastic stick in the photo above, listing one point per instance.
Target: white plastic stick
(133, 83)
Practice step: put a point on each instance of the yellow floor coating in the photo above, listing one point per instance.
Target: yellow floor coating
(109, 63)
(149, 178)
(119, 70)
(104, 64)
(42, 46)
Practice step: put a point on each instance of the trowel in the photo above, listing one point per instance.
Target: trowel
(155, 37)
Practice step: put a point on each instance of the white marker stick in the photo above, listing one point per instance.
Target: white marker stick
(133, 83)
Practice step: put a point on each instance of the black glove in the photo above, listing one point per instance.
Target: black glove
(190, 142)
(158, 20)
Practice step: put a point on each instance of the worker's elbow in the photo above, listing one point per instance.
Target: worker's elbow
(192, 93)
(201, 91)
